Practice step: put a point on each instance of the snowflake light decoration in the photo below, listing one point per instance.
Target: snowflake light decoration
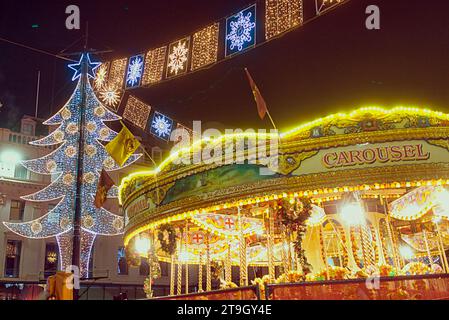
(161, 126)
(100, 79)
(135, 71)
(110, 96)
(178, 55)
(241, 31)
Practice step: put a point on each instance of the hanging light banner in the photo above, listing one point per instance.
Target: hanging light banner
(161, 126)
(135, 71)
(203, 48)
(241, 31)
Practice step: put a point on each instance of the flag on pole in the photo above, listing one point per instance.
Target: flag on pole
(105, 183)
(261, 105)
(122, 146)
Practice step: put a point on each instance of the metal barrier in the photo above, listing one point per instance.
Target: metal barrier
(242, 293)
(427, 287)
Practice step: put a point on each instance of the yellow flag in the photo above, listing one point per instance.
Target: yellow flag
(122, 146)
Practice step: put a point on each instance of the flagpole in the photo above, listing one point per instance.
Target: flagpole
(271, 119)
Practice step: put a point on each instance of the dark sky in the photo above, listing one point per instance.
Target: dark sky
(330, 65)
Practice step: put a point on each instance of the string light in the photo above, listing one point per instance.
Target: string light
(281, 16)
(117, 73)
(154, 66)
(137, 112)
(178, 57)
(205, 46)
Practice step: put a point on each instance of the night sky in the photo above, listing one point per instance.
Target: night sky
(331, 64)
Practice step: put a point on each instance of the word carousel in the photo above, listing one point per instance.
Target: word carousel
(354, 196)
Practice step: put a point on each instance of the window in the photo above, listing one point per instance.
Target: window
(17, 210)
(144, 269)
(28, 129)
(122, 265)
(51, 259)
(20, 172)
(12, 260)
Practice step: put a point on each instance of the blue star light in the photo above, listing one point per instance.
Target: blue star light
(241, 31)
(161, 126)
(78, 67)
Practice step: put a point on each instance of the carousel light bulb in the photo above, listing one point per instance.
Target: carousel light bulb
(142, 246)
(353, 214)
(406, 252)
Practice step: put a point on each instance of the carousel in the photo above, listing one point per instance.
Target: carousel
(336, 200)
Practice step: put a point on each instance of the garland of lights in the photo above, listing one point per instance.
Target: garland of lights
(281, 16)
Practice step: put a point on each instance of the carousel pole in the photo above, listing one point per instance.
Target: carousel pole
(228, 269)
(396, 260)
(200, 274)
(325, 252)
(179, 280)
(150, 263)
(208, 275)
(284, 254)
(186, 240)
(172, 275)
(270, 245)
(440, 240)
(426, 242)
(367, 247)
(242, 247)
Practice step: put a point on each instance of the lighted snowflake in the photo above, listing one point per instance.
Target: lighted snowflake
(135, 71)
(100, 78)
(178, 57)
(161, 126)
(110, 96)
(241, 29)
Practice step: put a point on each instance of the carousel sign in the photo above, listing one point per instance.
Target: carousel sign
(370, 155)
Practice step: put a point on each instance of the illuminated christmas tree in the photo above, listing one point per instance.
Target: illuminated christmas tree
(66, 164)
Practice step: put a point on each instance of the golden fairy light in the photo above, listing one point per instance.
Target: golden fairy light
(281, 15)
(205, 46)
(154, 66)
